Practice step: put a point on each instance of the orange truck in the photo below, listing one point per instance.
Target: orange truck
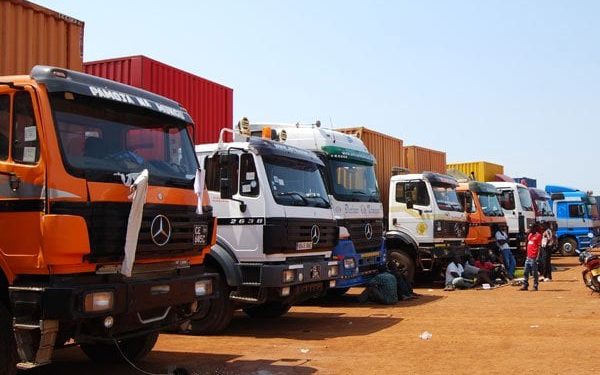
(480, 202)
(102, 237)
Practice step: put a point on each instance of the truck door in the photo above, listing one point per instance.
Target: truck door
(243, 230)
(413, 213)
(576, 220)
(507, 201)
(22, 179)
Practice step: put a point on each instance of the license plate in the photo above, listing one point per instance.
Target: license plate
(596, 272)
(304, 245)
(200, 234)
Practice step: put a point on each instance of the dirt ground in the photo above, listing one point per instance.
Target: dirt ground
(503, 330)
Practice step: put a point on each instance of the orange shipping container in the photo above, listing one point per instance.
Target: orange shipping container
(420, 159)
(388, 152)
(33, 35)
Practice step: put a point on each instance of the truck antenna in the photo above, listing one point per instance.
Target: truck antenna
(331, 128)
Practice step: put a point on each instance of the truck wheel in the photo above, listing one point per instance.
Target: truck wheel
(267, 310)
(567, 246)
(404, 263)
(8, 347)
(220, 311)
(134, 349)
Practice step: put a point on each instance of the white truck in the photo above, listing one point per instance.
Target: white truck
(427, 223)
(517, 205)
(353, 192)
(276, 229)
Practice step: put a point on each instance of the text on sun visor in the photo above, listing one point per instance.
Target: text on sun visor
(136, 100)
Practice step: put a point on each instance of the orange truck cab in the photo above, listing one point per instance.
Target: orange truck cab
(102, 238)
(480, 201)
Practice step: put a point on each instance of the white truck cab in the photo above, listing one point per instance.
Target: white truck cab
(518, 208)
(353, 192)
(276, 229)
(427, 223)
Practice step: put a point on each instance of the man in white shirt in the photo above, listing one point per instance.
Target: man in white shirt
(454, 279)
(507, 255)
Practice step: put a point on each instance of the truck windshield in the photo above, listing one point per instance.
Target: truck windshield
(490, 205)
(543, 208)
(446, 198)
(104, 141)
(295, 182)
(352, 182)
(525, 198)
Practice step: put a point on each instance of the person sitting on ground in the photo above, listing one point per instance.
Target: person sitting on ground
(479, 275)
(405, 290)
(496, 270)
(381, 288)
(454, 275)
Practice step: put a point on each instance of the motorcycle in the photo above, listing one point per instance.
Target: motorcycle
(591, 269)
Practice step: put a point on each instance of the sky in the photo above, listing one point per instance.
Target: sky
(515, 83)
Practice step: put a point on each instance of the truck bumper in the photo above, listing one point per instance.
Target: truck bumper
(357, 268)
(291, 282)
(136, 305)
(444, 251)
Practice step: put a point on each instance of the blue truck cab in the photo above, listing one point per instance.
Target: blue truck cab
(577, 218)
(349, 173)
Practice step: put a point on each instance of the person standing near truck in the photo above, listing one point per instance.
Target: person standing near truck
(507, 255)
(534, 241)
(546, 253)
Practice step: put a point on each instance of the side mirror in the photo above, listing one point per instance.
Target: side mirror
(226, 170)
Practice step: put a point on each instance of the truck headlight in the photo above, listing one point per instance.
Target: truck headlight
(99, 301)
(343, 233)
(349, 263)
(333, 271)
(203, 288)
(288, 276)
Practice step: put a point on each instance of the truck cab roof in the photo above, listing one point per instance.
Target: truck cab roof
(427, 176)
(478, 187)
(315, 138)
(263, 147)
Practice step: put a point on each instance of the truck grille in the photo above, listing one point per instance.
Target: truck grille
(282, 235)
(360, 229)
(449, 229)
(107, 227)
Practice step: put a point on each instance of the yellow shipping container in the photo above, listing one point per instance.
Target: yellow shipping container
(479, 170)
(33, 35)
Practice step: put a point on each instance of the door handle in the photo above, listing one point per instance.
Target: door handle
(13, 180)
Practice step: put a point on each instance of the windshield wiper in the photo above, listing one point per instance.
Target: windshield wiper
(295, 194)
(321, 198)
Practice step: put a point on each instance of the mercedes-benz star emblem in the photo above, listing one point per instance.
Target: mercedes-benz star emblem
(368, 231)
(160, 230)
(315, 234)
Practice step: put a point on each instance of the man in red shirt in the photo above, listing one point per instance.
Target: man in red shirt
(534, 241)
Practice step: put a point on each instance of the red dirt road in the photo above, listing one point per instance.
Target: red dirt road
(499, 331)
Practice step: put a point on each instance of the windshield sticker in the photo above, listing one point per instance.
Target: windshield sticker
(30, 134)
(275, 179)
(29, 154)
(249, 176)
(253, 184)
(246, 188)
(281, 183)
(136, 100)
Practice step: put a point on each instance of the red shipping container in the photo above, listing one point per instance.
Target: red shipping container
(208, 103)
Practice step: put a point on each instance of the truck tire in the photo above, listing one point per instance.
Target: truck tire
(267, 310)
(134, 349)
(404, 263)
(220, 311)
(567, 246)
(8, 347)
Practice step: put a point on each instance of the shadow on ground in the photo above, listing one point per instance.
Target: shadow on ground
(311, 326)
(73, 361)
